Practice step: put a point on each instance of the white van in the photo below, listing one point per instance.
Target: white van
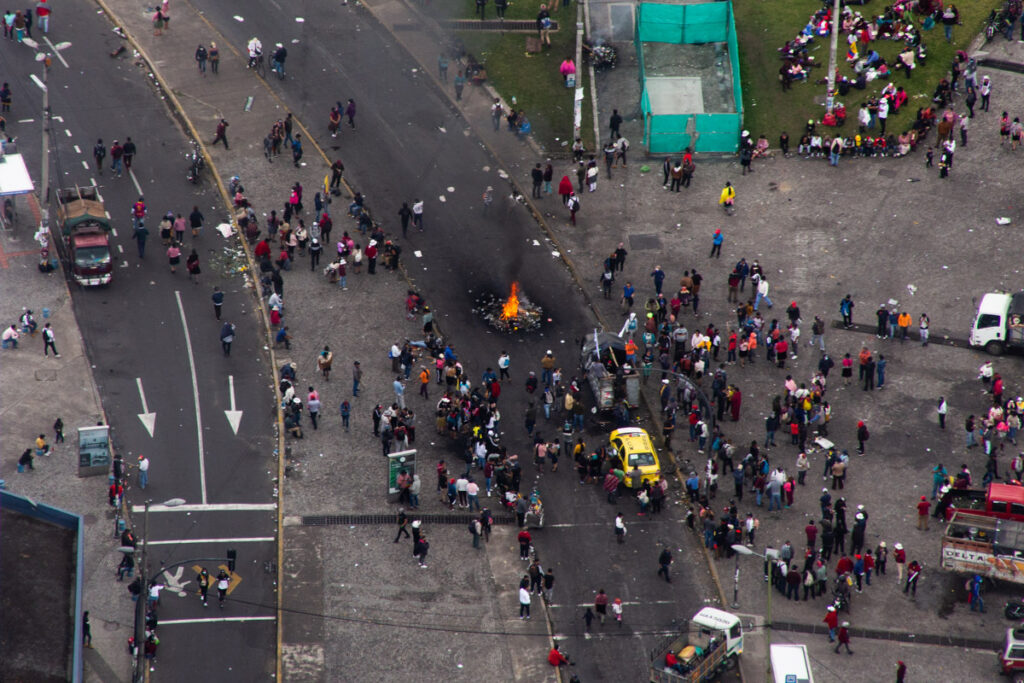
(790, 663)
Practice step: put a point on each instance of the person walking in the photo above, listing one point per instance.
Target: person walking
(913, 574)
(297, 149)
(214, 55)
(221, 133)
(844, 638)
(537, 175)
(664, 560)
(218, 301)
(403, 525)
(99, 153)
(48, 341)
(143, 472)
(201, 56)
(459, 82)
(223, 583)
(524, 603)
(716, 244)
(399, 392)
(203, 579)
(227, 336)
(86, 630)
(417, 214)
(601, 605)
(620, 528)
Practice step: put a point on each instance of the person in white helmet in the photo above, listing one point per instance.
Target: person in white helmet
(255, 48)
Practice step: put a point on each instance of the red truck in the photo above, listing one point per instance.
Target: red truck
(86, 229)
(1003, 501)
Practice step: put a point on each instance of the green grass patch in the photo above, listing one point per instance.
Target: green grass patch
(532, 79)
(763, 27)
(535, 83)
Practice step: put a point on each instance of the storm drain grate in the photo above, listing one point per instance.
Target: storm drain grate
(335, 520)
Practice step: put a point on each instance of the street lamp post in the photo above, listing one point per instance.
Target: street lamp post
(834, 47)
(46, 59)
(769, 554)
(140, 606)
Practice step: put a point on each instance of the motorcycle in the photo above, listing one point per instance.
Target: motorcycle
(196, 164)
(1014, 610)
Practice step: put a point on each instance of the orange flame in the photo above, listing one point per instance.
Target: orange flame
(511, 307)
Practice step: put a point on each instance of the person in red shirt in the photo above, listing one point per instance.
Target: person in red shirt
(524, 544)
(262, 250)
(869, 566)
(556, 658)
(812, 534)
(844, 565)
(844, 638)
(922, 513)
(832, 621)
(899, 556)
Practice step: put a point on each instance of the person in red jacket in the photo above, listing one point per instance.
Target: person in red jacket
(262, 250)
(812, 533)
(844, 565)
(844, 638)
(556, 658)
(899, 556)
(832, 621)
(524, 544)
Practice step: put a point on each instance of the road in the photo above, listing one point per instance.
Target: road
(153, 333)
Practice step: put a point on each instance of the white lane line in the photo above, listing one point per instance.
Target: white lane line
(25, 120)
(77, 150)
(56, 51)
(213, 620)
(195, 392)
(85, 165)
(260, 539)
(67, 132)
(135, 180)
(120, 249)
(209, 507)
(113, 230)
(98, 197)
(58, 118)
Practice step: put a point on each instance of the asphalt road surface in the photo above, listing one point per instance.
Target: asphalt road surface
(153, 333)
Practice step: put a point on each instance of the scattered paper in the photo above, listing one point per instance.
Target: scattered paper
(1003, 221)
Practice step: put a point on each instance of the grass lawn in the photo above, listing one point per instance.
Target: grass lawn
(532, 79)
(764, 27)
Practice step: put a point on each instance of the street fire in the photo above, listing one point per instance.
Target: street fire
(513, 314)
(511, 307)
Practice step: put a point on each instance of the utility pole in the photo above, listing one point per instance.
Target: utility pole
(45, 191)
(830, 98)
(140, 604)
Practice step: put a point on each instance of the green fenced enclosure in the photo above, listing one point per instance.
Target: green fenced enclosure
(689, 76)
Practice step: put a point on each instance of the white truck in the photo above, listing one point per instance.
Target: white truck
(711, 645)
(999, 323)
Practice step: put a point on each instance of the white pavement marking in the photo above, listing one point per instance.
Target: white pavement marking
(256, 539)
(35, 79)
(58, 118)
(148, 418)
(113, 231)
(56, 51)
(195, 392)
(120, 250)
(25, 120)
(208, 507)
(234, 416)
(77, 150)
(213, 620)
(67, 132)
(135, 180)
(85, 165)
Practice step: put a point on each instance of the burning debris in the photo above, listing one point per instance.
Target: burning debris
(601, 55)
(513, 314)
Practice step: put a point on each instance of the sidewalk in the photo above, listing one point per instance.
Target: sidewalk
(41, 389)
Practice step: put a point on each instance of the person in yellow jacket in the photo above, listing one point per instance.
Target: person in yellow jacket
(903, 322)
(727, 197)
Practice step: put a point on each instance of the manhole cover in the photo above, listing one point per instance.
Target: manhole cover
(643, 242)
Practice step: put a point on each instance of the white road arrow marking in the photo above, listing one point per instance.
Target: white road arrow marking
(234, 416)
(148, 418)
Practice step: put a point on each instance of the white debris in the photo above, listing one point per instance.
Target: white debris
(1003, 221)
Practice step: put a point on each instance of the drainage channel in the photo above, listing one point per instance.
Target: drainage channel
(334, 520)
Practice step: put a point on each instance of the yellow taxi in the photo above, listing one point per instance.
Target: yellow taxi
(631, 450)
